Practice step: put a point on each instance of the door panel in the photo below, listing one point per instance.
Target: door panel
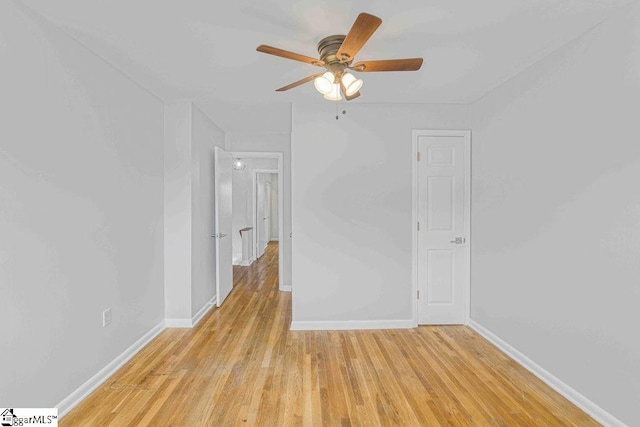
(440, 203)
(440, 276)
(260, 197)
(223, 217)
(267, 212)
(442, 258)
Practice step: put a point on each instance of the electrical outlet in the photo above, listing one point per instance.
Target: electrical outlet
(106, 317)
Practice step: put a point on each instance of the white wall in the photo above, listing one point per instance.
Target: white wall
(178, 215)
(242, 181)
(81, 211)
(556, 214)
(278, 143)
(206, 135)
(352, 226)
(189, 250)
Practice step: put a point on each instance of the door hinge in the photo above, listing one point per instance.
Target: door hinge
(418, 225)
(418, 294)
(418, 156)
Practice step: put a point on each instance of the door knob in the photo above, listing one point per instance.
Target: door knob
(459, 240)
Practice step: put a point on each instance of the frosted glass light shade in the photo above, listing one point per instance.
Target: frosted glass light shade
(334, 95)
(351, 84)
(324, 83)
(239, 164)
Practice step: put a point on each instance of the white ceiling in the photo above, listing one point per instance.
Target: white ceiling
(206, 49)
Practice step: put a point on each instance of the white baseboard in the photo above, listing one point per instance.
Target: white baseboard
(103, 374)
(246, 263)
(190, 323)
(330, 325)
(204, 310)
(596, 412)
(178, 323)
(285, 288)
(275, 239)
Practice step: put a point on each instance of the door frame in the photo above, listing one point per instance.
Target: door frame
(466, 291)
(280, 172)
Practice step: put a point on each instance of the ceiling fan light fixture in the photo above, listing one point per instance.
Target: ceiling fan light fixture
(351, 84)
(324, 83)
(334, 95)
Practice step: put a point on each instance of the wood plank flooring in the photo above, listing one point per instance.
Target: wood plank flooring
(242, 366)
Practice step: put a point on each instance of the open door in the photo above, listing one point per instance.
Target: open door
(222, 219)
(260, 214)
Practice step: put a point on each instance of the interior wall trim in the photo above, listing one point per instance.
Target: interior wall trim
(178, 323)
(582, 402)
(204, 310)
(71, 401)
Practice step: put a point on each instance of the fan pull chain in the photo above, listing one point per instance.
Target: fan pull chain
(338, 115)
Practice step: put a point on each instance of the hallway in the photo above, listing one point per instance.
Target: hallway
(242, 366)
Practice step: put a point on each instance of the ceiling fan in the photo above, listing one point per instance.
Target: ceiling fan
(336, 56)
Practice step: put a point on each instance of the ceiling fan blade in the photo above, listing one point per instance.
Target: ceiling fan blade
(298, 83)
(361, 30)
(408, 64)
(289, 55)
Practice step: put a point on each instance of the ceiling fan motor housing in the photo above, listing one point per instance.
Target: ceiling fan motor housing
(327, 48)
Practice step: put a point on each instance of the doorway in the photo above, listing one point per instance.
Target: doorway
(441, 211)
(266, 167)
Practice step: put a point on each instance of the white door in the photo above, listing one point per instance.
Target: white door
(223, 216)
(267, 212)
(443, 180)
(260, 197)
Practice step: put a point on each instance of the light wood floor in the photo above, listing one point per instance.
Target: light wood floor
(242, 366)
